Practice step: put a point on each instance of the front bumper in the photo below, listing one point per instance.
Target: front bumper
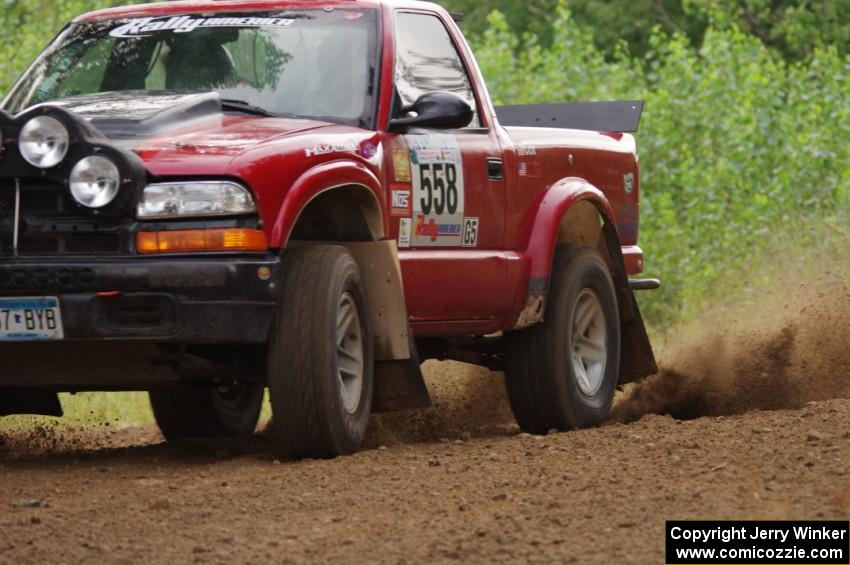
(216, 299)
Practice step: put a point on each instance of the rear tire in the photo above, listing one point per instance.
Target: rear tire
(321, 360)
(207, 413)
(562, 374)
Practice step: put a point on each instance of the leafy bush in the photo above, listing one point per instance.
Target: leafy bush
(742, 154)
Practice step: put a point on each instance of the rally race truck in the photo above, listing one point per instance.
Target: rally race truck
(203, 200)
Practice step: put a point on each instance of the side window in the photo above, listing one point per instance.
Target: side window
(427, 60)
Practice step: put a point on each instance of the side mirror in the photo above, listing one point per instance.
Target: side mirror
(437, 110)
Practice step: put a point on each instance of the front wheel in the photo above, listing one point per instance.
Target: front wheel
(321, 366)
(562, 374)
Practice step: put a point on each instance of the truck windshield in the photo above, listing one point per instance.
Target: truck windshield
(306, 63)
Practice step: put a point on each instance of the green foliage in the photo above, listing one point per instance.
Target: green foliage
(741, 153)
(614, 22)
(27, 26)
(795, 28)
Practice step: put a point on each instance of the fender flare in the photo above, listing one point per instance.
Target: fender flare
(556, 203)
(316, 181)
(544, 226)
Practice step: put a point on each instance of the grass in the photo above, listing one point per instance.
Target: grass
(91, 409)
(98, 409)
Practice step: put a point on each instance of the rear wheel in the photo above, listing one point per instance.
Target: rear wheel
(321, 355)
(226, 412)
(562, 373)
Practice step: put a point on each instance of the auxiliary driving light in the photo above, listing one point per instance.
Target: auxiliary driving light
(95, 181)
(44, 142)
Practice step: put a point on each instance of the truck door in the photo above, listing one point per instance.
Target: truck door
(447, 189)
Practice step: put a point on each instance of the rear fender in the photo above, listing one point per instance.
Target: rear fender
(552, 225)
(318, 180)
(543, 234)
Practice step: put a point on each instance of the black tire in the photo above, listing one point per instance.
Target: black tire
(207, 413)
(543, 386)
(308, 393)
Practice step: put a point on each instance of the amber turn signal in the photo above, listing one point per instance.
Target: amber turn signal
(199, 241)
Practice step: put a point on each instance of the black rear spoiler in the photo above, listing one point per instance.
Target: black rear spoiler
(623, 116)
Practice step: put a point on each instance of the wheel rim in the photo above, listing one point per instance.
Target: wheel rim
(589, 343)
(349, 349)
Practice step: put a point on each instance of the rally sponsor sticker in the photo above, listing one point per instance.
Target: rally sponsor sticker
(438, 190)
(405, 232)
(629, 183)
(143, 27)
(328, 149)
(531, 169)
(401, 165)
(526, 151)
(401, 201)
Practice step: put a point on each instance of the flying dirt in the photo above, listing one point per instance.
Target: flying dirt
(783, 350)
(748, 418)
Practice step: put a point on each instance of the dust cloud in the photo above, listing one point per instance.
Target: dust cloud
(468, 402)
(779, 348)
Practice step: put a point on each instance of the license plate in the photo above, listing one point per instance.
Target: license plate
(30, 319)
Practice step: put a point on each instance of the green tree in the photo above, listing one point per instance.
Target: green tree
(742, 153)
(794, 27)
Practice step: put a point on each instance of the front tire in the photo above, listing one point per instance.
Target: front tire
(562, 374)
(321, 364)
(191, 413)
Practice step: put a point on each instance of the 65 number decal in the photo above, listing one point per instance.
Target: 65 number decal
(438, 183)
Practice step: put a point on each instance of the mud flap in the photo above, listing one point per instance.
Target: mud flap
(637, 359)
(399, 383)
(19, 401)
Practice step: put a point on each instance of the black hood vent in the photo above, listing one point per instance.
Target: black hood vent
(135, 114)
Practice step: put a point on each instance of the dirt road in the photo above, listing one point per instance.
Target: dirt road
(598, 496)
(459, 483)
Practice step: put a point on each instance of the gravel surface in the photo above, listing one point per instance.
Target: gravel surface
(747, 420)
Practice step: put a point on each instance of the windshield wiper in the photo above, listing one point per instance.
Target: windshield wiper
(245, 107)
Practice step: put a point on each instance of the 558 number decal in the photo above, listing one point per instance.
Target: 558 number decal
(438, 182)
(438, 197)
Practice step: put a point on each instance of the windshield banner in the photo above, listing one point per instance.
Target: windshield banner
(143, 27)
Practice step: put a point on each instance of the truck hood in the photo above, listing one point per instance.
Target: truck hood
(186, 122)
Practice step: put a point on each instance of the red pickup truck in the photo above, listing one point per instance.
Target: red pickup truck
(206, 199)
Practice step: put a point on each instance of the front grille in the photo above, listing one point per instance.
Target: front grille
(52, 224)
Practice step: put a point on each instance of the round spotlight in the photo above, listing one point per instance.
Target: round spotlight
(44, 142)
(95, 181)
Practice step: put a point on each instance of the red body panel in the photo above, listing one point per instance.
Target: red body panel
(450, 290)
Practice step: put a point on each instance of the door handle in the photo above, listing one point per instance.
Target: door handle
(495, 168)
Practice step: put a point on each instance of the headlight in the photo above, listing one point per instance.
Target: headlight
(44, 142)
(95, 181)
(195, 199)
